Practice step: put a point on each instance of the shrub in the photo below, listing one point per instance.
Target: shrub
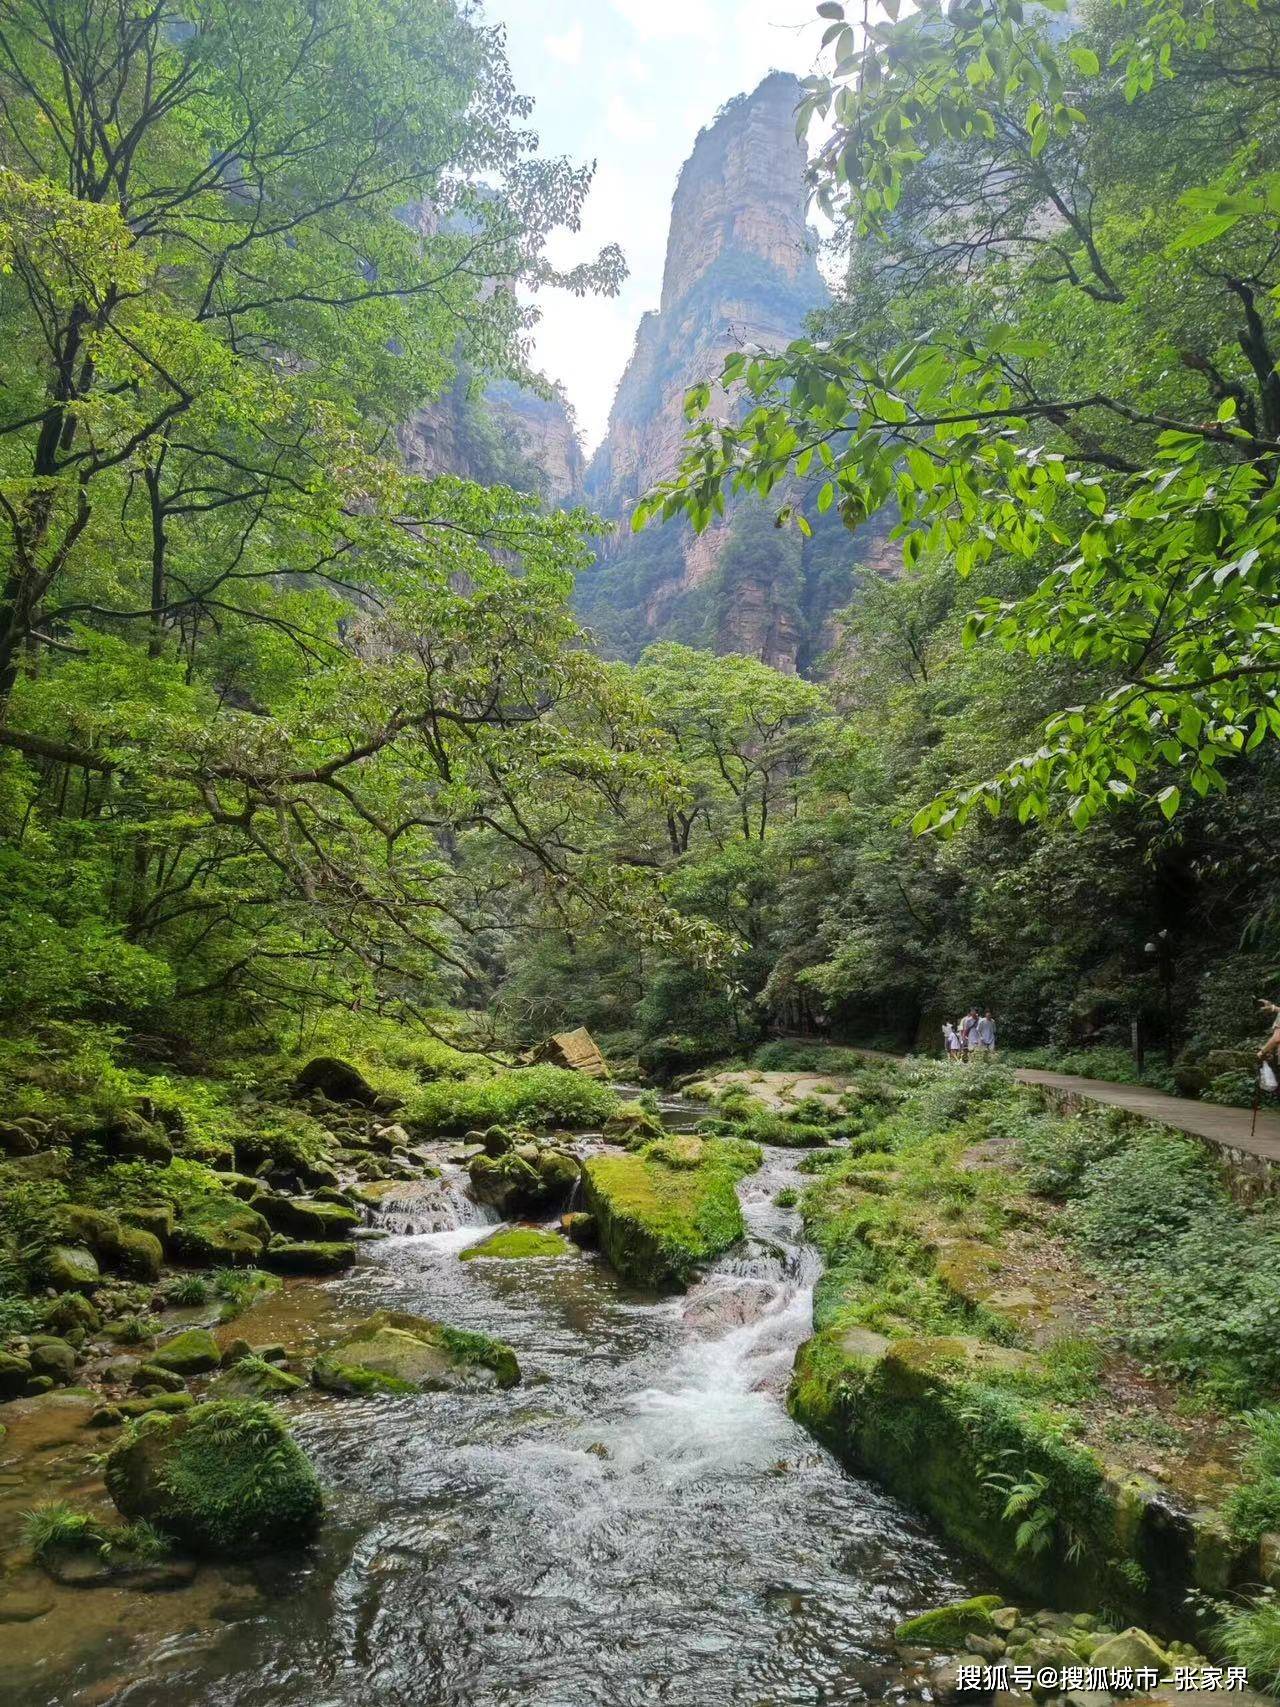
(1254, 1507)
(527, 1096)
(1144, 1194)
(1250, 1635)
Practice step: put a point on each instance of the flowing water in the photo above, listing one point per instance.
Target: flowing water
(638, 1523)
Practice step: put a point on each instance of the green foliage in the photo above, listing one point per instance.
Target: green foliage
(225, 1477)
(59, 1527)
(240, 1287)
(1249, 1634)
(1144, 511)
(537, 1097)
(1254, 1508)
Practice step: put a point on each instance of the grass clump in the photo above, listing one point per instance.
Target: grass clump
(537, 1097)
(1249, 1635)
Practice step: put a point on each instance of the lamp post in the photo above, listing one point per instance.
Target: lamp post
(1162, 953)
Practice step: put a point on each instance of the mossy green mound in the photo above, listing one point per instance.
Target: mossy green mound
(515, 1244)
(189, 1353)
(71, 1268)
(947, 1626)
(220, 1232)
(632, 1124)
(394, 1352)
(664, 1212)
(223, 1478)
(308, 1217)
(307, 1256)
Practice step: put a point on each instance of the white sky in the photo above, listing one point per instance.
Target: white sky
(629, 83)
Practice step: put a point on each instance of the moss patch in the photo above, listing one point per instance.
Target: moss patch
(664, 1212)
(517, 1244)
(947, 1626)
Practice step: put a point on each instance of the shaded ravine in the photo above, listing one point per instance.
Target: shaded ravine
(639, 1522)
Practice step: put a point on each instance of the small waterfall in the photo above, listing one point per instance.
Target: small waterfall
(432, 1206)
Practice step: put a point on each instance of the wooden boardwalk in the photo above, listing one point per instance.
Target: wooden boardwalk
(1226, 1127)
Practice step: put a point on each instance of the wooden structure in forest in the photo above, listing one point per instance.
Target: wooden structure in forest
(576, 1050)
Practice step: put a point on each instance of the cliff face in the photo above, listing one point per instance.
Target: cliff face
(740, 270)
(505, 435)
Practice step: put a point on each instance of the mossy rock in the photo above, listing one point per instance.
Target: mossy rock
(308, 1218)
(141, 1254)
(559, 1172)
(149, 1375)
(947, 1626)
(336, 1080)
(1133, 1649)
(192, 1352)
(154, 1218)
(167, 1404)
(400, 1353)
(52, 1356)
(224, 1478)
(580, 1226)
(307, 1256)
(71, 1268)
(130, 1136)
(515, 1184)
(658, 1223)
(518, 1244)
(81, 1224)
(72, 1316)
(220, 1232)
(254, 1378)
(631, 1124)
(15, 1372)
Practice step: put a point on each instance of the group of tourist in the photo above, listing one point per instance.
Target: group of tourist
(975, 1035)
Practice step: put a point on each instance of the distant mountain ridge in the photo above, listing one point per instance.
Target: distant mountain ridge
(740, 269)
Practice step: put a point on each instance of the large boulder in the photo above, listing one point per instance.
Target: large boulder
(223, 1478)
(307, 1218)
(15, 1372)
(631, 1124)
(53, 1357)
(16, 1139)
(193, 1352)
(576, 1050)
(337, 1080)
(394, 1352)
(307, 1256)
(130, 1135)
(72, 1317)
(1132, 1650)
(71, 1268)
(220, 1232)
(154, 1218)
(524, 1179)
(660, 1216)
(141, 1254)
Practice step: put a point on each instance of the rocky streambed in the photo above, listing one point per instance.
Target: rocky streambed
(636, 1521)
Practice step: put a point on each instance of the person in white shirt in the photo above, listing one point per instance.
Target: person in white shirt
(984, 1038)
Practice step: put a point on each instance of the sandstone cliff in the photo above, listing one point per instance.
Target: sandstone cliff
(504, 434)
(740, 270)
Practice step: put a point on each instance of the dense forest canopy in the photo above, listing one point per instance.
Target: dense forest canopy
(280, 722)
